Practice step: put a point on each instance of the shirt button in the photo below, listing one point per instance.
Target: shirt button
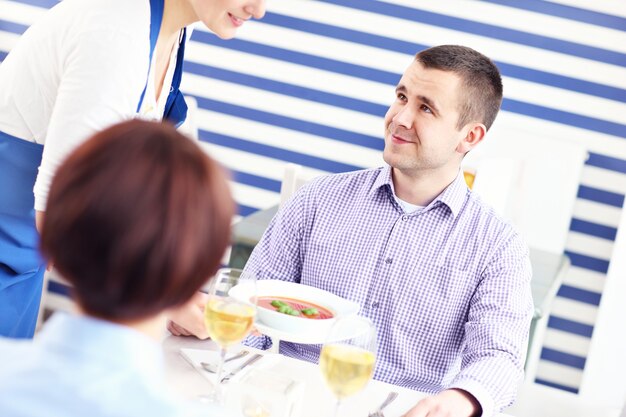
(388, 260)
(375, 304)
(405, 217)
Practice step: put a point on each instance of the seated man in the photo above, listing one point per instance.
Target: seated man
(138, 219)
(444, 279)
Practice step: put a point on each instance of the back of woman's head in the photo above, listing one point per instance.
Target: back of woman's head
(138, 218)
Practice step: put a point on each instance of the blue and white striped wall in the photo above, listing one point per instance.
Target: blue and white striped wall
(310, 83)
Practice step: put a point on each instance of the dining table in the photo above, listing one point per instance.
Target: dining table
(315, 398)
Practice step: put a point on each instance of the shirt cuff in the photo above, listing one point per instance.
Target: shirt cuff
(478, 391)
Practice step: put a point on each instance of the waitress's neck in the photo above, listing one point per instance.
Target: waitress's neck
(177, 14)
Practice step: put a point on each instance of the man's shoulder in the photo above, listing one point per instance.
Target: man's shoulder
(485, 216)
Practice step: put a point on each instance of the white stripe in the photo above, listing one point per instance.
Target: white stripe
(593, 141)
(327, 47)
(589, 245)
(604, 179)
(284, 105)
(574, 310)
(249, 163)
(8, 40)
(565, 100)
(253, 196)
(514, 18)
(289, 139)
(560, 374)
(525, 56)
(566, 342)
(585, 279)
(597, 212)
(57, 302)
(603, 6)
(21, 13)
(290, 73)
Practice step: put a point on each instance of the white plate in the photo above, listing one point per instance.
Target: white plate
(290, 328)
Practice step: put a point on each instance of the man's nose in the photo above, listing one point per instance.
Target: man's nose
(404, 117)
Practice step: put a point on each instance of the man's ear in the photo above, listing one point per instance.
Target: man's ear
(475, 132)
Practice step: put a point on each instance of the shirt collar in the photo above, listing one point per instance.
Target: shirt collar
(453, 196)
(103, 341)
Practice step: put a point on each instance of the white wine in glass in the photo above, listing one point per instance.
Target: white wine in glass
(228, 320)
(348, 357)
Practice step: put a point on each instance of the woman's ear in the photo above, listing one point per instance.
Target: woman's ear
(475, 132)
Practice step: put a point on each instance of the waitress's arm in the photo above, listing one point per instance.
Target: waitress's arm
(101, 80)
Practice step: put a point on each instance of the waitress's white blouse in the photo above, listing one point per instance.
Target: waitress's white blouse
(80, 68)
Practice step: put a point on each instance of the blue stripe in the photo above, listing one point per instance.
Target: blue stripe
(578, 294)
(570, 326)
(601, 196)
(299, 58)
(607, 162)
(286, 89)
(7, 26)
(567, 12)
(58, 288)
(563, 117)
(244, 210)
(555, 385)
(486, 30)
(562, 81)
(588, 262)
(40, 3)
(563, 358)
(3, 55)
(256, 181)
(273, 152)
(293, 124)
(593, 229)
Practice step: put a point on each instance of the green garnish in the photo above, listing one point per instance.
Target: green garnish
(311, 311)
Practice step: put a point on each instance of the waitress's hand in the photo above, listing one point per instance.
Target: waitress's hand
(188, 319)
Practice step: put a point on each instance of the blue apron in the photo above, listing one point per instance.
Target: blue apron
(21, 267)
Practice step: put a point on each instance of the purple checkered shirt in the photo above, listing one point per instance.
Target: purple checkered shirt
(448, 286)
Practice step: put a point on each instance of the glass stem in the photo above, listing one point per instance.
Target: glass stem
(336, 412)
(220, 368)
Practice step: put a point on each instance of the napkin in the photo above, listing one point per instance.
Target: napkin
(196, 356)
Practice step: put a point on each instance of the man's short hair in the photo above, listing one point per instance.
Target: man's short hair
(138, 219)
(481, 83)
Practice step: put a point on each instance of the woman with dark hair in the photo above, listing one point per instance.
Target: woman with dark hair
(138, 219)
(83, 66)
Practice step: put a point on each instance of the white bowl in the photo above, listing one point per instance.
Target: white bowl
(293, 324)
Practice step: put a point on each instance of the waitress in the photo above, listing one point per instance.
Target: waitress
(85, 65)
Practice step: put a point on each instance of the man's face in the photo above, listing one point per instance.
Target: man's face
(421, 125)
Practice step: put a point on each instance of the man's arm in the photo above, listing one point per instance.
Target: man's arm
(496, 338)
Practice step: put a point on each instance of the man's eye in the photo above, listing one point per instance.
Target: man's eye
(401, 97)
(425, 108)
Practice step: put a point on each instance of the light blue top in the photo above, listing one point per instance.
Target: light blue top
(82, 366)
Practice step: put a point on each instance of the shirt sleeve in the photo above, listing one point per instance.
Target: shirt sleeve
(101, 81)
(278, 255)
(496, 333)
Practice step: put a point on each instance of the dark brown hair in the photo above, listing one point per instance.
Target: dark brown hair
(138, 218)
(481, 83)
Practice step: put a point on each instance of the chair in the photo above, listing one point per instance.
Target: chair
(532, 180)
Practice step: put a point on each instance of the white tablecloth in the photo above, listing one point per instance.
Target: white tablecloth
(317, 401)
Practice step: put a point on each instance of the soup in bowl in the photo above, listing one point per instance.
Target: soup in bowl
(296, 308)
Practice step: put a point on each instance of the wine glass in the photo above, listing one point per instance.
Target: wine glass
(229, 315)
(348, 356)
